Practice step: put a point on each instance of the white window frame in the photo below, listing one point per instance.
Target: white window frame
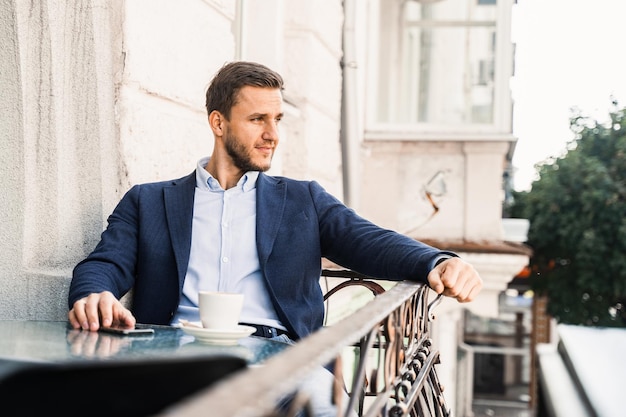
(503, 67)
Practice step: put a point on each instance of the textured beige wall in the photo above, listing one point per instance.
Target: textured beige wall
(61, 146)
(313, 83)
(171, 51)
(396, 175)
(12, 284)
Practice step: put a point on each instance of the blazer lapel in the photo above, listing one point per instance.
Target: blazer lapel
(270, 205)
(179, 198)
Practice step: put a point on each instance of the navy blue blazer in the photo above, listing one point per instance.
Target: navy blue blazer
(147, 242)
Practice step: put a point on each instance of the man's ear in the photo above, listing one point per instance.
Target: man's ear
(216, 122)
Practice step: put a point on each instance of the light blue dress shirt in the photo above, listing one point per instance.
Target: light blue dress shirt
(223, 249)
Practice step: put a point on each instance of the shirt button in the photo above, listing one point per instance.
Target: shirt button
(225, 259)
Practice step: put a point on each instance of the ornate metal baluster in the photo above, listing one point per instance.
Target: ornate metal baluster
(411, 381)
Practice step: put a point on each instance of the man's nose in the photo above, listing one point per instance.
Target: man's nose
(271, 131)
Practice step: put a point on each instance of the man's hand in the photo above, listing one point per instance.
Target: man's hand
(455, 278)
(100, 309)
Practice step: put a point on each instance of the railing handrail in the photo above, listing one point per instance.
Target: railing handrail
(255, 391)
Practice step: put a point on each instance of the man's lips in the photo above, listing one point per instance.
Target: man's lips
(265, 149)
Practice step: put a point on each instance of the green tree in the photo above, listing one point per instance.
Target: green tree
(577, 212)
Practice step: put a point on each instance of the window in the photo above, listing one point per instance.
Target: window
(440, 63)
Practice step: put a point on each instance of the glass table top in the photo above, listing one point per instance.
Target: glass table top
(47, 341)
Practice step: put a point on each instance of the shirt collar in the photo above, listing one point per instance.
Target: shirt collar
(206, 181)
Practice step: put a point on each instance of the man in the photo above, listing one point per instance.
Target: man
(230, 227)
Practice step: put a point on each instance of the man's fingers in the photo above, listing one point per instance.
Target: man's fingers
(78, 315)
(455, 278)
(106, 304)
(98, 309)
(473, 293)
(434, 281)
(462, 294)
(74, 322)
(112, 312)
(443, 278)
(468, 286)
(122, 316)
(93, 310)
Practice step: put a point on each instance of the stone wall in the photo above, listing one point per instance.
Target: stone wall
(60, 155)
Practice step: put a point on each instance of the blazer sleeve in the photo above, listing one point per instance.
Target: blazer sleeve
(358, 244)
(111, 265)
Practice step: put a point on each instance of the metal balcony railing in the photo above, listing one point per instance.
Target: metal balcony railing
(394, 362)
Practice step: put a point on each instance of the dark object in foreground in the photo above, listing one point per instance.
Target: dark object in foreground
(109, 388)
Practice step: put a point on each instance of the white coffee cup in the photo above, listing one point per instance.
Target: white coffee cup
(220, 310)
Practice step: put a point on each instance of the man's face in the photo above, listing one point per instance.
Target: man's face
(251, 135)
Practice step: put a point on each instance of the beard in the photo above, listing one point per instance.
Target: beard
(241, 156)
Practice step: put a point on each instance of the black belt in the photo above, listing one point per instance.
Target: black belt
(266, 331)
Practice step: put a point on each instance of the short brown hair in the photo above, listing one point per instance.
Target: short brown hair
(232, 77)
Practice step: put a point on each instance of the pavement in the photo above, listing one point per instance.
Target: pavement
(516, 403)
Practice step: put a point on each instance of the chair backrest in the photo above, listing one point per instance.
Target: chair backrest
(349, 290)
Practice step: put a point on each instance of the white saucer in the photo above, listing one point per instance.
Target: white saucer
(219, 336)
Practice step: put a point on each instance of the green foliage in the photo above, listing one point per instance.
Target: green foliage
(577, 212)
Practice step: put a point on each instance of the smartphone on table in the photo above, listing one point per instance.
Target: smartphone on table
(138, 330)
